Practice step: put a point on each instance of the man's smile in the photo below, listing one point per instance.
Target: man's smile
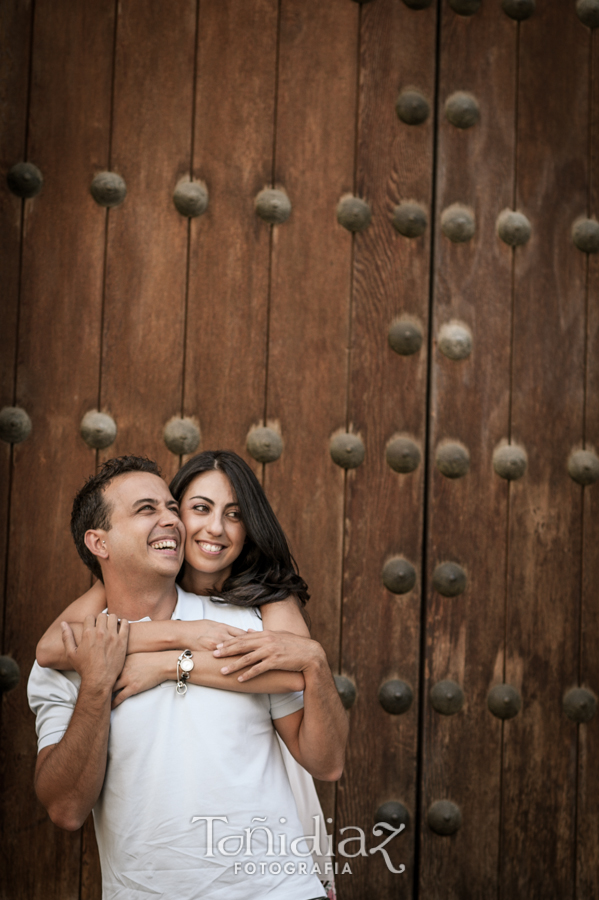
(165, 545)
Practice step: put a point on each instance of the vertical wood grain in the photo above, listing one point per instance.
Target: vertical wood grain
(146, 259)
(229, 249)
(57, 381)
(539, 762)
(469, 404)
(587, 834)
(387, 397)
(309, 306)
(15, 30)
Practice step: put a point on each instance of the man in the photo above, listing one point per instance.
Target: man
(188, 788)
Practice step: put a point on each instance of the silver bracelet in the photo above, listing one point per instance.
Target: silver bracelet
(184, 667)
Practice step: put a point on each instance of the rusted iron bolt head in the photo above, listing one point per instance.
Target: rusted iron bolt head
(412, 107)
(504, 701)
(15, 425)
(396, 697)
(108, 189)
(410, 219)
(444, 817)
(265, 445)
(25, 180)
(447, 697)
(273, 206)
(518, 9)
(353, 213)
(405, 336)
(191, 198)
(513, 228)
(462, 110)
(181, 436)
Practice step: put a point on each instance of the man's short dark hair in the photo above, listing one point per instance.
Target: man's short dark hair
(90, 509)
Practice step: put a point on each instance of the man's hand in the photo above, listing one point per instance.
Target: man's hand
(316, 735)
(267, 650)
(210, 634)
(100, 655)
(69, 775)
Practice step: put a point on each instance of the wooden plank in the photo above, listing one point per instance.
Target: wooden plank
(381, 630)
(57, 381)
(539, 756)
(309, 309)
(15, 30)
(229, 251)
(469, 404)
(144, 311)
(587, 832)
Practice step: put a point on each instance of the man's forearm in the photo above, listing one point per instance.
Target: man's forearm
(324, 728)
(70, 775)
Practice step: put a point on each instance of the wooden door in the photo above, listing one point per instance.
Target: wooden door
(413, 316)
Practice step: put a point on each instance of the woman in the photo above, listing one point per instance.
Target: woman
(236, 552)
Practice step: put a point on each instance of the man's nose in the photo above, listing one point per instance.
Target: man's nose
(168, 517)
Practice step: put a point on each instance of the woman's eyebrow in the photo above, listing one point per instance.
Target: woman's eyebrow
(208, 500)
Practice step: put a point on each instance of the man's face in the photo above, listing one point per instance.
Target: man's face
(146, 533)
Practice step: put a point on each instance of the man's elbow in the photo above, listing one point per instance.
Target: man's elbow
(66, 818)
(330, 774)
(42, 656)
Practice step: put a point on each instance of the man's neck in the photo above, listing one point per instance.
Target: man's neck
(134, 599)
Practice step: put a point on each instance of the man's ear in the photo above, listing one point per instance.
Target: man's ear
(95, 541)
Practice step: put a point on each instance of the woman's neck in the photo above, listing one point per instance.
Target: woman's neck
(203, 583)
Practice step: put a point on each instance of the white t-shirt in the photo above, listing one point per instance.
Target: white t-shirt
(175, 760)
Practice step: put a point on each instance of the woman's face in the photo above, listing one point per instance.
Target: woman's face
(215, 532)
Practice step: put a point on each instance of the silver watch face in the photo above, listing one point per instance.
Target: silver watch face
(186, 664)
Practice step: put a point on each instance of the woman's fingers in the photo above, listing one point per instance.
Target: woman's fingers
(68, 638)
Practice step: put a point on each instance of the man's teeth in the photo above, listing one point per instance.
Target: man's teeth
(165, 545)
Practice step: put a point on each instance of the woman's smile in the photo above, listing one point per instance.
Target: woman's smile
(215, 531)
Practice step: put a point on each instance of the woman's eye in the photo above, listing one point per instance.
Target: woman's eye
(235, 514)
(200, 507)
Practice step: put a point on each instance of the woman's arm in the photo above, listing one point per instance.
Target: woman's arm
(148, 637)
(50, 651)
(143, 671)
(284, 615)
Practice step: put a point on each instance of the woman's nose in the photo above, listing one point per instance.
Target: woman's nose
(215, 525)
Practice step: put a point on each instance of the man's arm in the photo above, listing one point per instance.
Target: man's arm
(143, 671)
(69, 775)
(317, 735)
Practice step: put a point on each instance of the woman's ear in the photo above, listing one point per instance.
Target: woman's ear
(95, 541)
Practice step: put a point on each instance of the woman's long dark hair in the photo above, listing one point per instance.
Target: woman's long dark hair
(265, 571)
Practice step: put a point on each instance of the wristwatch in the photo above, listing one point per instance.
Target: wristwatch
(184, 667)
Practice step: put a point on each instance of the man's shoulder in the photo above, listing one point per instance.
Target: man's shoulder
(50, 684)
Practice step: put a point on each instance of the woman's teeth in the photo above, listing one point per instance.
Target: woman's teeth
(210, 548)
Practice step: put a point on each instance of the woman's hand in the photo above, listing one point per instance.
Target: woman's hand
(141, 672)
(210, 634)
